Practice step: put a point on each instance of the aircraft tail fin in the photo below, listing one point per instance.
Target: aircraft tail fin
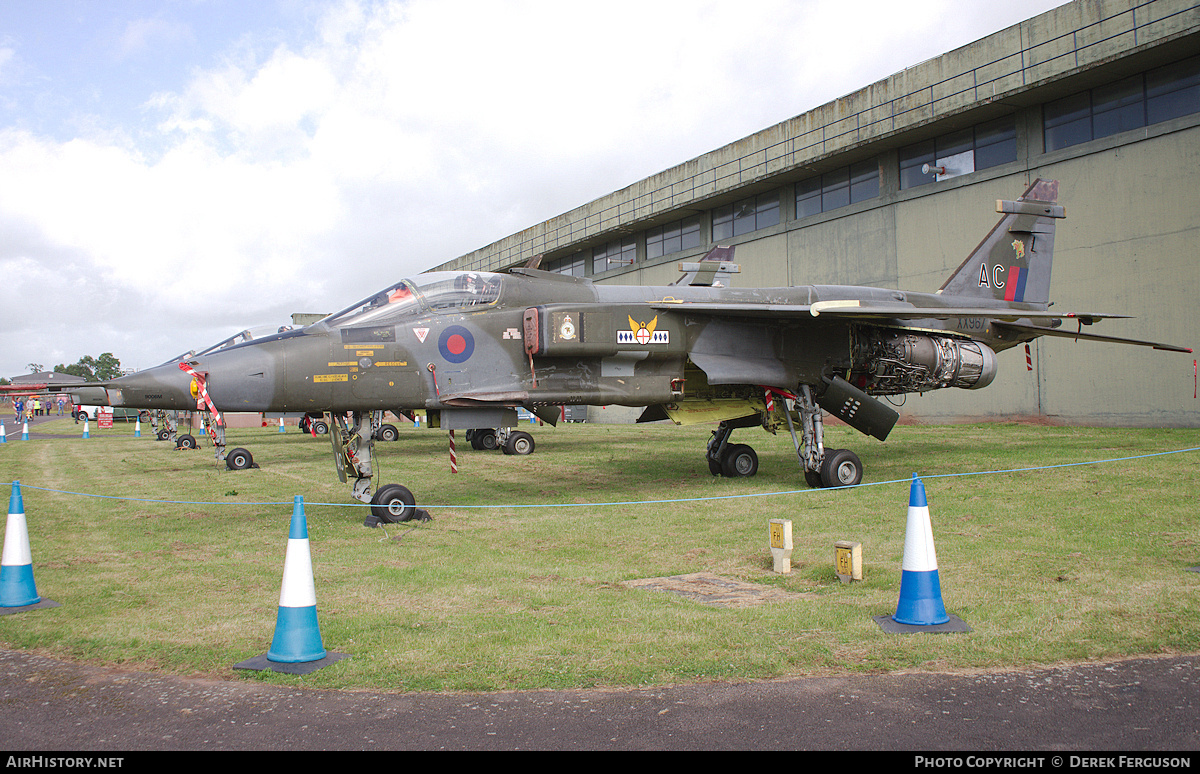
(1013, 262)
(714, 268)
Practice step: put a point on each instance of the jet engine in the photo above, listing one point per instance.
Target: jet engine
(888, 362)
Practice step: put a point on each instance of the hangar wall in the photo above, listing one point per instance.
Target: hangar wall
(1128, 244)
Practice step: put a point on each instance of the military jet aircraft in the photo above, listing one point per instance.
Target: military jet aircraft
(471, 347)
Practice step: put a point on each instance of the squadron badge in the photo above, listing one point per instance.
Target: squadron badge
(643, 333)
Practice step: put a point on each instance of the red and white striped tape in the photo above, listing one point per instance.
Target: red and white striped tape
(203, 400)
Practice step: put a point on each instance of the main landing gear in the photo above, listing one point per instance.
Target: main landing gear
(353, 439)
(510, 441)
(823, 467)
(234, 459)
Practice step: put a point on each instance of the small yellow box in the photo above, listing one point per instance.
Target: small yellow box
(847, 560)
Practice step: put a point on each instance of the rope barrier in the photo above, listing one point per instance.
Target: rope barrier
(905, 481)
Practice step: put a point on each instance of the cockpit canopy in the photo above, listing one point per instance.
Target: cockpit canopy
(439, 292)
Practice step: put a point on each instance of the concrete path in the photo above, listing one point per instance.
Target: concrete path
(1136, 705)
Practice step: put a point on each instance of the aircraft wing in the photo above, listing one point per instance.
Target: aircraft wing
(1060, 333)
(862, 309)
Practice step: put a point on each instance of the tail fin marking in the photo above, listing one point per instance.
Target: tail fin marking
(1013, 261)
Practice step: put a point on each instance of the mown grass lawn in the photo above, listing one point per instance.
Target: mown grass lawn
(161, 559)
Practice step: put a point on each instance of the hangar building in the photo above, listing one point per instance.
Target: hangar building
(1101, 95)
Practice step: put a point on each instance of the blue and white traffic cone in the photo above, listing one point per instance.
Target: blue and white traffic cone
(137, 428)
(281, 428)
(85, 427)
(3, 437)
(17, 588)
(297, 636)
(920, 589)
(25, 431)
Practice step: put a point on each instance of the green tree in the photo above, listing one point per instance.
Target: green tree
(93, 369)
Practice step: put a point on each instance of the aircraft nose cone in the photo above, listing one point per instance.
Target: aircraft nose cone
(239, 379)
(163, 386)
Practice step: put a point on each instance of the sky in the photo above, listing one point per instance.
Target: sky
(174, 171)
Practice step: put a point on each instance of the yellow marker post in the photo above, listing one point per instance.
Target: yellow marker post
(847, 560)
(781, 544)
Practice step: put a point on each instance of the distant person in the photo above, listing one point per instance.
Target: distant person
(62, 401)
(18, 407)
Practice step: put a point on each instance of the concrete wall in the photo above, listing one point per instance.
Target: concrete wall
(1128, 245)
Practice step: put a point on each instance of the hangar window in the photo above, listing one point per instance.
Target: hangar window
(978, 147)
(745, 215)
(848, 185)
(575, 265)
(673, 237)
(618, 252)
(1148, 98)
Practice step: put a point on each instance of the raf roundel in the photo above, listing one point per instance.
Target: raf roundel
(456, 344)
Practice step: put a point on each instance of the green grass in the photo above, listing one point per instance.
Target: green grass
(1061, 564)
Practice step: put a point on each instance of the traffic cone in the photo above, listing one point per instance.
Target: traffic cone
(281, 428)
(297, 636)
(25, 431)
(85, 427)
(137, 428)
(16, 568)
(920, 589)
(3, 437)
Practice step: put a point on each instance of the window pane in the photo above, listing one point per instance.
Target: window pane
(722, 223)
(1118, 107)
(1068, 121)
(743, 217)
(767, 211)
(912, 159)
(808, 197)
(864, 181)
(1173, 91)
(691, 233)
(995, 143)
(954, 144)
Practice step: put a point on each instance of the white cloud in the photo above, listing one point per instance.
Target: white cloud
(399, 136)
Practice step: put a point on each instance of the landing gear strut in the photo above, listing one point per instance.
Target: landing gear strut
(735, 460)
(353, 440)
(822, 467)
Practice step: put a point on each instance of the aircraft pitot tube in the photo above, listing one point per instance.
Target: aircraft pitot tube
(894, 363)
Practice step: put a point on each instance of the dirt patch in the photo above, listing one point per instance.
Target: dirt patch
(709, 589)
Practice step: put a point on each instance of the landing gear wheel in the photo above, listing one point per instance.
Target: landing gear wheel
(519, 443)
(813, 479)
(239, 459)
(186, 442)
(320, 427)
(389, 433)
(714, 467)
(163, 435)
(841, 467)
(483, 440)
(739, 461)
(393, 503)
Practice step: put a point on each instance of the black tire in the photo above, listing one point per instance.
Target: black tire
(486, 439)
(186, 441)
(841, 467)
(813, 479)
(739, 461)
(714, 466)
(393, 503)
(239, 459)
(389, 433)
(519, 443)
(163, 435)
(320, 427)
